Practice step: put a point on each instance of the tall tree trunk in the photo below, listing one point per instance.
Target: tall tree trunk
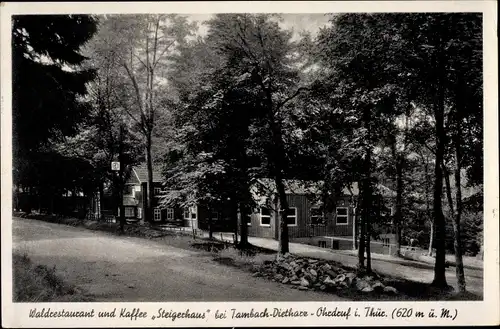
(151, 189)
(210, 228)
(431, 239)
(368, 248)
(39, 201)
(121, 179)
(51, 204)
(399, 205)
(439, 220)
(277, 159)
(368, 195)
(365, 217)
(427, 205)
(362, 244)
(234, 215)
(447, 183)
(366, 192)
(29, 203)
(283, 211)
(243, 226)
(457, 242)
(16, 197)
(100, 201)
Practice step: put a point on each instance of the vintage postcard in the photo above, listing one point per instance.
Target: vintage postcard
(226, 164)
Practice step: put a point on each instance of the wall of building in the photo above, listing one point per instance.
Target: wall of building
(304, 228)
(225, 221)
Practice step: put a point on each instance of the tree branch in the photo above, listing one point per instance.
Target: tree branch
(136, 86)
(280, 105)
(162, 53)
(140, 60)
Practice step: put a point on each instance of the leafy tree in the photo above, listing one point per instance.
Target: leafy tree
(213, 119)
(142, 45)
(260, 51)
(361, 53)
(442, 56)
(48, 84)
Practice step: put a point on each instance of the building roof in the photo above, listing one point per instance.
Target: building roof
(141, 173)
(130, 201)
(294, 186)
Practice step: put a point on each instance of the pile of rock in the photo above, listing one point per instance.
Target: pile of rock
(307, 273)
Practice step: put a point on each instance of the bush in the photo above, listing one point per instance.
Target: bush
(35, 283)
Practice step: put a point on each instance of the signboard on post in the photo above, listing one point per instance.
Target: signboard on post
(115, 165)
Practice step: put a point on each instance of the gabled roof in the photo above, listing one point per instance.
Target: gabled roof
(141, 173)
(130, 201)
(294, 186)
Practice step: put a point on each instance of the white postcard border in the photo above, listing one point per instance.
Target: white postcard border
(467, 313)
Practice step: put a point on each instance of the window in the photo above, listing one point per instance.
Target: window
(129, 212)
(170, 213)
(291, 217)
(139, 212)
(317, 216)
(342, 216)
(193, 212)
(214, 215)
(157, 214)
(186, 213)
(265, 217)
(157, 190)
(248, 218)
(129, 190)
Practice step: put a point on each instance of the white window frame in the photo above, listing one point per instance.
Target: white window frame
(289, 216)
(128, 210)
(343, 216)
(130, 190)
(157, 190)
(322, 216)
(156, 211)
(217, 216)
(265, 216)
(193, 211)
(249, 222)
(186, 212)
(170, 214)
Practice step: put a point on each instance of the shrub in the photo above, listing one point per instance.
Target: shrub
(35, 283)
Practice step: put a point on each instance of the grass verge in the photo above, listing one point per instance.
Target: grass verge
(37, 283)
(409, 290)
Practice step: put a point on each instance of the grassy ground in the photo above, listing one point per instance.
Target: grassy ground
(408, 290)
(422, 256)
(37, 283)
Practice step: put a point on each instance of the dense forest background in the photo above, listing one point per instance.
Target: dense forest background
(373, 98)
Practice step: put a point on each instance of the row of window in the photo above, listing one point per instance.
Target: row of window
(130, 189)
(157, 214)
(317, 216)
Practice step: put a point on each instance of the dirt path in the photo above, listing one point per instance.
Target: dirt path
(111, 268)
